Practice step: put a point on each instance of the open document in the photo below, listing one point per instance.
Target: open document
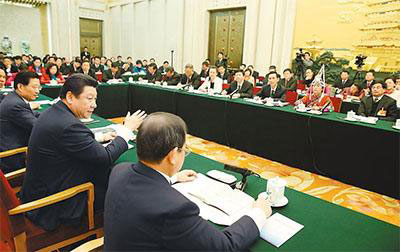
(222, 205)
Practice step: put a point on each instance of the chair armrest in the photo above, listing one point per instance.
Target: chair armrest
(15, 174)
(90, 245)
(57, 197)
(13, 152)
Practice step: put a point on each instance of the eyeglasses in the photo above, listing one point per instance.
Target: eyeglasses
(187, 150)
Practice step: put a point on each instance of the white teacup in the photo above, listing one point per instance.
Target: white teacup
(398, 123)
(275, 190)
(351, 114)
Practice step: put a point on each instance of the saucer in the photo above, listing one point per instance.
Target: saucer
(283, 201)
(396, 127)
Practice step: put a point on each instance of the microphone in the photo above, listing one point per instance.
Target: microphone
(326, 105)
(244, 172)
(234, 92)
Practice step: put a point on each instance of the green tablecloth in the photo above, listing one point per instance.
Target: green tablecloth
(359, 154)
(326, 226)
(322, 144)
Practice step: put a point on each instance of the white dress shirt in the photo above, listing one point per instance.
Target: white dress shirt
(218, 82)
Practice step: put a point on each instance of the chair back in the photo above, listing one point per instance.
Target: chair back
(336, 103)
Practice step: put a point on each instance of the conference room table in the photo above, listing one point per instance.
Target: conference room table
(363, 155)
(326, 226)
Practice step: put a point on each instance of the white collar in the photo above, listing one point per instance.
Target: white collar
(377, 99)
(165, 176)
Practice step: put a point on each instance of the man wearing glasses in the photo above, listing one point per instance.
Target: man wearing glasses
(143, 212)
(17, 118)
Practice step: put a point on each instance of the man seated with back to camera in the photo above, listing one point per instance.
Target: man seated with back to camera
(64, 153)
(144, 212)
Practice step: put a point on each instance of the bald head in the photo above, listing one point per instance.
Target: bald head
(2, 78)
(160, 133)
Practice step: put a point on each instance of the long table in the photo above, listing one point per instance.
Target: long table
(326, 226)
(366, 156)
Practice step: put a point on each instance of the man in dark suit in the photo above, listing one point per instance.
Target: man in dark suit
(119, 61)
(344, 81)
(190, 77)
(143, 212)
(8, 66)
(378, 104)
(75, 67)
(240, 87)
(221, 60)
(112, 74)
(17, 118)
(152, 74)
(171, 77)
(272, 89)
(162, 69)
(64, 153)
(289, 82)
(85, 69)
(205, 70)
(368, 82)
(222, 74)
(97, 67)
(85, 53)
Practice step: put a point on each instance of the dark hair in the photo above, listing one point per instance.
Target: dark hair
(139, 62)
(243, 65)
(250, 66)
(205, 63)
(345, 71)
(248, 69)
(370, 71)
(24, 78)
(119, 56)
(159, 133)
(273, 72)
(169, 69)
(17, 57)
(115, 65)
(108, 61)
(221, 65)
(78, 61)
(378, 82)
(145, 60)
(152, 65)
(96, 57)
(152, 59)
(288, 69)
(37, 58)
(272, 66)
(307, 53)
(76, 83)
(8, 57)
(166, 62)
(50, 66)
(220, 53)
(239, 71)
(104, 57)
(129, 57)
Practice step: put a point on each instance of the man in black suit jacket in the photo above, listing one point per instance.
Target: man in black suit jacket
(75, 67)
(113, 73)
(272, 89)
(205, 70)
(64, 153)
(17, 119)
(143, 212)
(171, 77)
(289, 82)
(344, 80)
(8, 66)
(97, 67)
(368, 81)
(222, 74)
(240, 87)
(85, 53)
(85, 69)
(152, 74)
(190, 77)
(378, 104)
